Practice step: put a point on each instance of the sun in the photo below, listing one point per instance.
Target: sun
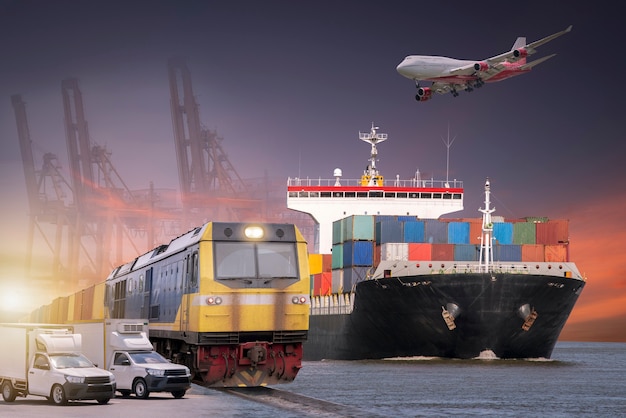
(11, 300)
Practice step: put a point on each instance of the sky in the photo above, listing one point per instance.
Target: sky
(289, 85)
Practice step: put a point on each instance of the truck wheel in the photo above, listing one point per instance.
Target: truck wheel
(141, 389)
(103, 401)
(58, 395)
(125, 393)
(8, 393)
(178, 393)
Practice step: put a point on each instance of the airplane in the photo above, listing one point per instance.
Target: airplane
(450, 75)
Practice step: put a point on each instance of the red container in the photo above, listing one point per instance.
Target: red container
(444, 252)
(553, 232)
(420, 251)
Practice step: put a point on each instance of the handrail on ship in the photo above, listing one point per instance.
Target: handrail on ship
(310, 182)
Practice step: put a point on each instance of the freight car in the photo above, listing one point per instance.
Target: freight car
(228, 300)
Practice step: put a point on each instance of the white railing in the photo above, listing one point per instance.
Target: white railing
(296, 181)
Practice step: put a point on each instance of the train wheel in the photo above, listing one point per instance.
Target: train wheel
(141, 389)
(8, 393)
(58, 395)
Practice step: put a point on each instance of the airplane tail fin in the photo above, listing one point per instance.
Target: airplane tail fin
(519, 43)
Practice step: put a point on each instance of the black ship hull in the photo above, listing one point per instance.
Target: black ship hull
(447, 315)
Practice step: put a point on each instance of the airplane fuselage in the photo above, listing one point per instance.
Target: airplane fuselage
(436, 68)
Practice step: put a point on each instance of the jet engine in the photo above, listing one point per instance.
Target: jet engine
(423, 94)
(481, 66)
(520, 53)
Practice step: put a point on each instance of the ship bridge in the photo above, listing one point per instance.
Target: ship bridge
(328, 200)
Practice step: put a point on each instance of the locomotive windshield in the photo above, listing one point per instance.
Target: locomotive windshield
(256, 264)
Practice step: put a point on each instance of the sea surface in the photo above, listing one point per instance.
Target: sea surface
(580, 379)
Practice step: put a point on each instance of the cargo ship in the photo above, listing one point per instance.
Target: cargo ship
(392, 278)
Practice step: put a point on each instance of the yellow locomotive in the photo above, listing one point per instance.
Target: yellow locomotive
(229, 300)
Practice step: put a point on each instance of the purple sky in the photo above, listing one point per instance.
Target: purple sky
(289, 84)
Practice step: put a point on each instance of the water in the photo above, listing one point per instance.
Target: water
(581, 379)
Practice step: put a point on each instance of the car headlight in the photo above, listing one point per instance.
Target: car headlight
(156, 372)
(75, 379)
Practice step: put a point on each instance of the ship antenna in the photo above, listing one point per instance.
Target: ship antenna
(448, 144)
(373, 138)
(486, 247)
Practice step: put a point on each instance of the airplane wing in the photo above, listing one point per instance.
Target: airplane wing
(529, 49)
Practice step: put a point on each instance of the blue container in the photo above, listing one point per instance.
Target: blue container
(413, 231)
(507, 253)
(389, 231)
(466, 252)
(358, 253)
(458, 233)
(503, 232)
(435, 231)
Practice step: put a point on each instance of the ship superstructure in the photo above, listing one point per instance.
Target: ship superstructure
(328, 200)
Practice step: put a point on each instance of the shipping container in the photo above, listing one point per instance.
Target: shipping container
(524, 233)
(556, 253)
(315, 263)
(443, 252)
(435, 231)
(394, 251)
(458, 233)
(533, 252)
(507, 252)
(476, 231)
(336, 281)
(553, 232)
(466, 252)
(358, 253)
(359, 227)
(327, 263)
(389, 230)
(337, 255)
(420, 251)
(352, 276)
(339, 232)
(413, 231)
(503, 232)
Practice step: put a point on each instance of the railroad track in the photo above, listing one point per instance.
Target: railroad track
(301, 404)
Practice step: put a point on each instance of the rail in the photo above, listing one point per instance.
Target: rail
(320, 182)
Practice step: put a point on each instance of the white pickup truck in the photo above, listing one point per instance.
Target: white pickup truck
(46, 360)
(122, 347)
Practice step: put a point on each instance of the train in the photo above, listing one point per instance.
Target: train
(231, 301)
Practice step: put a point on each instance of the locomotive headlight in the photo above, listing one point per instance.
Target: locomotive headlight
(298, 300)
(213, 300)
(254, 232)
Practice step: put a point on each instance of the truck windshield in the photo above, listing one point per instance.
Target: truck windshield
(147, 357)
(66, 361)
